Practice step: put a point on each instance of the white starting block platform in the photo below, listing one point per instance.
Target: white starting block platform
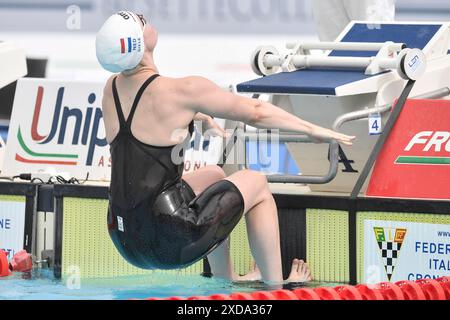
(332, 96)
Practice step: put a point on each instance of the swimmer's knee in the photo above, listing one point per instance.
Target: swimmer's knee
(219, 172)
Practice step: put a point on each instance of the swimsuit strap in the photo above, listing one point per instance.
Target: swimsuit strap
(138, 98)
(126, 124)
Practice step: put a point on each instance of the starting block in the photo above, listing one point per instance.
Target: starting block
(356, 79)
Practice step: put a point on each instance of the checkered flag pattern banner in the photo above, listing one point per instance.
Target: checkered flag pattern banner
(390, 242)
(389, 254)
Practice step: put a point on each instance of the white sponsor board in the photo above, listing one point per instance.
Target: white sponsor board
(395, 251)
(58, 127)
(12, 226)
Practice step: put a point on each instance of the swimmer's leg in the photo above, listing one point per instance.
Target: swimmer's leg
(262, 228)
(262, 223)
(221, 263)
(220, 259)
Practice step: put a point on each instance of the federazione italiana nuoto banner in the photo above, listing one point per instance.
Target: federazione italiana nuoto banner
(395, 251)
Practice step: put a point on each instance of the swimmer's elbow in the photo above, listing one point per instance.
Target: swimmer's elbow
(255, 115)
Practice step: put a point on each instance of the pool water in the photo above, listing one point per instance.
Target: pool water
(41, 285)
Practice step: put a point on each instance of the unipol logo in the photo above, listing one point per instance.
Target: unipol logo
(85, 132)
(427, 148)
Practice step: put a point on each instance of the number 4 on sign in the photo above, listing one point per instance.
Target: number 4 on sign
(375, 125)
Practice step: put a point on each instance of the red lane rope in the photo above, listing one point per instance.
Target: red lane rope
(425, 289)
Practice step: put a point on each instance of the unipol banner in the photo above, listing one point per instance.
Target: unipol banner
(395, 251)
(58, 127)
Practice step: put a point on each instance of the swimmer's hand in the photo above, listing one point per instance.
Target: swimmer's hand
(319, 134)
(210, 128)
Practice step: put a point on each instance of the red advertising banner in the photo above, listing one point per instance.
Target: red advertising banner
(415, 161)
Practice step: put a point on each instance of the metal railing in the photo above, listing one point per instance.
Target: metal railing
(300, 179)
(334, 146)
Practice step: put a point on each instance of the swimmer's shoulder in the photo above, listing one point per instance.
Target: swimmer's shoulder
(108, 84)
(193, 86)
(174, 87)
(107, 91)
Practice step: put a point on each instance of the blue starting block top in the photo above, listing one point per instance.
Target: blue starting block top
(325, 81)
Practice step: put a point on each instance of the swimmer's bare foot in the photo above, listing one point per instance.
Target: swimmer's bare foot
(254, 275)
(300, 272)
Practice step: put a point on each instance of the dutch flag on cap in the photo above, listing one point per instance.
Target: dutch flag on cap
(126, 45)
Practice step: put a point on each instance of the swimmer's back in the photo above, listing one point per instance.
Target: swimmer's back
(161, 119)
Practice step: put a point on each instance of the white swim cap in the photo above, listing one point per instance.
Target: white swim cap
(120, 42)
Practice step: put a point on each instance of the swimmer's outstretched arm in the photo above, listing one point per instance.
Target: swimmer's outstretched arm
(202, 95)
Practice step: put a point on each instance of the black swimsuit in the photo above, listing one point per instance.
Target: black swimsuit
(154, 218)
